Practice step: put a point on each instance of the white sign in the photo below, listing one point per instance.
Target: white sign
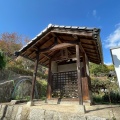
(115, 52)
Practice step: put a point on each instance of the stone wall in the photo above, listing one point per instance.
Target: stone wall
(6, 90)
(16, 112)
(19, 88)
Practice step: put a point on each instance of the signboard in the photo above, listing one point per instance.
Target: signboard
(115, 53)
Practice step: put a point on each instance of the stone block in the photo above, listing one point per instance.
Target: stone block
(18, 115)
(13, 102)
(77, 117)
(37, 114)
(56, 116)
(25, 113)
(30, 103)
(14, 112)
(61, 116)
(95, 118)
(9, 112)
(80, 109)
(49, 115)
(2, 111)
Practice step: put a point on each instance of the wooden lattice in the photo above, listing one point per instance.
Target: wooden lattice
(64, 84)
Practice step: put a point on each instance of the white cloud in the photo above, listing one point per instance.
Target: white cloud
(108, 63)
(94, 13)
(113, 39)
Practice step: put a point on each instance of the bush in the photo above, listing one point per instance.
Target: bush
(97, 98)
(2, 60)
(42, 86)
(113, 96)
(27, 72)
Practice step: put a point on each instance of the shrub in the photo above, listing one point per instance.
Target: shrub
(42, 87)
(114, 97)
(28, 72)
(2, 60)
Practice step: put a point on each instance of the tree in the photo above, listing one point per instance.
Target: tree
(98, 69)
(111, 67)
(11, 42)
(2, 60)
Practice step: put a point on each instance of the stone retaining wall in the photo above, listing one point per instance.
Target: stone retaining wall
(6, 90)
(16, 112)
(21, 90)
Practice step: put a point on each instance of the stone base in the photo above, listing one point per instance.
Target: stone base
(62, 102)
(87, 103)
(80, 108)
(74, 104)
(30, 103)
(13, 102)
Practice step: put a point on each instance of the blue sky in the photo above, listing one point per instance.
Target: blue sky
(29, 17)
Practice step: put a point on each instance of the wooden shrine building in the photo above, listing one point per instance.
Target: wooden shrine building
(66, 51)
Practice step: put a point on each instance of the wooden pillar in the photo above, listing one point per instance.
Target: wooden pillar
(79, 80)
(34, 75)
(84, 64)
(49, 82)
(86, 83)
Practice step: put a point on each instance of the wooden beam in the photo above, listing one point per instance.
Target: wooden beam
(81, 48)
(92, 54)
(79, 80)
(94, 58)
(80, 33)
(63, 58)
(45, 42)
(63, 40)
(83, 40)
(57, 47)
(45, 61)
(54, 35)
(31, 53)
(46, 55)
(60, 40)
(49, 54)
(34, 75)
(90, 50)
(40, 39)
(71, 41)
(89, 45)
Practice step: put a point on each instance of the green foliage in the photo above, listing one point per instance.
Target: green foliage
(110, 67)
(97, 98)
(114, 96)
(97, 70)
(103, 83)
(27, 72)
(41, 85)
(105, 91)
(2, 60)
(43, 88)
